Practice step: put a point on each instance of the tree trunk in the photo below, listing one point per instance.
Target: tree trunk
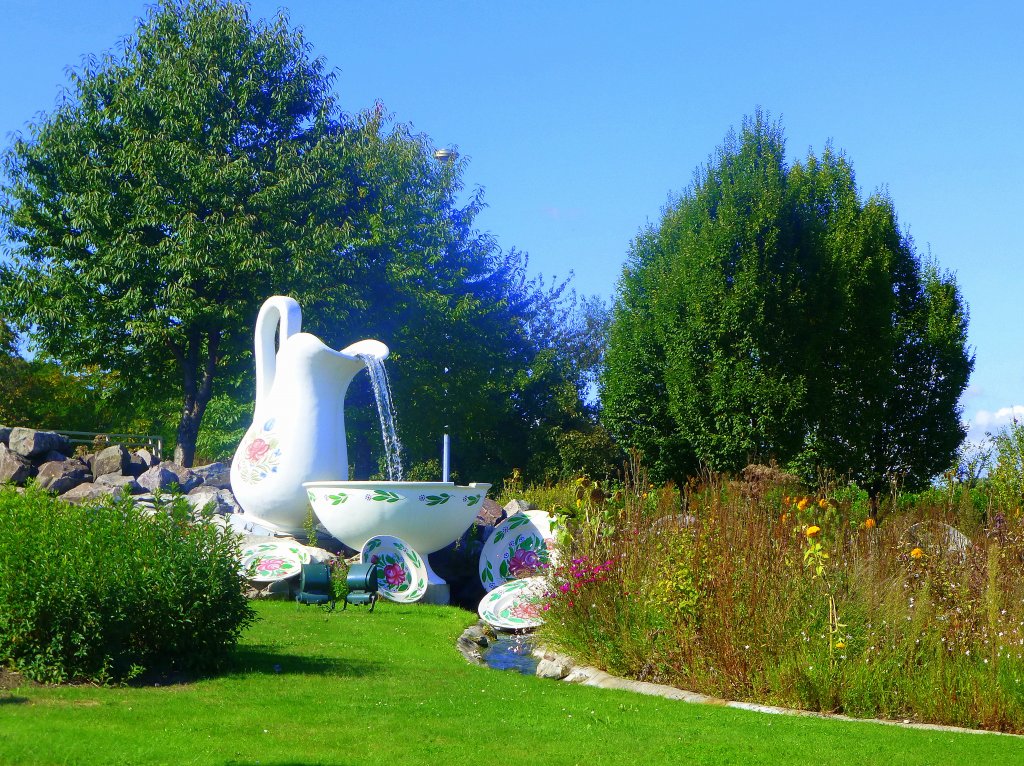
(198, 389)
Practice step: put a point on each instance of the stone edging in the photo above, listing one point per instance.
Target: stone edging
(562, 667)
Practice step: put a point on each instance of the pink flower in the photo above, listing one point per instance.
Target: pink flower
(269, 565)
(525, 610)
(257, 449)
(393, 574)
(523, 561)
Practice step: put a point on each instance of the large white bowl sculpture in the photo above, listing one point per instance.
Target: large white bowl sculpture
(426, 515)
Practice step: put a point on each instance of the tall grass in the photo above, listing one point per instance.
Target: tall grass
(753, 590)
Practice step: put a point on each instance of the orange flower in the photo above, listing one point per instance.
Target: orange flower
(802, 505)
(812, 531)
(786, 499)
(784, 518)
(916, 553)
(869, 523)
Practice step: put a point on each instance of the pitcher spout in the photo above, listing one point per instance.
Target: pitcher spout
(368, 347)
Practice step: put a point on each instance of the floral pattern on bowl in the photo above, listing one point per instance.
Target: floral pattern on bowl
(515, 605)
(520, 547)
(268, 562)
(401, 572)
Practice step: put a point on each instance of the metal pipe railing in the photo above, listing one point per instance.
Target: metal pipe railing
(154, 444)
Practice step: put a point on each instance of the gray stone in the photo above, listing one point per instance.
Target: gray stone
(157, 478)
(113, 459)
(137, 466)
(88, 492)
(145, 457)
(222, 500)
(127, 483)
(185, 478)
(491, 514)
(517, 506)
(14, 468)
(552, 668)
(62, 475)
(277, 590)
(5, 435)
(215, 475)
(28, 442)
(54, 455)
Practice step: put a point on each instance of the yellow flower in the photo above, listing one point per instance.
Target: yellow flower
(812, 530)
(823, 503)
(840, 644)
(916, 553)
(802, 505)
(869, 523)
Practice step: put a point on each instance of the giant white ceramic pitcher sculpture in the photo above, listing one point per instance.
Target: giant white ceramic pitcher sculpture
(298, 429)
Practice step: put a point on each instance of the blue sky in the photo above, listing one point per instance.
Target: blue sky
(580, 118)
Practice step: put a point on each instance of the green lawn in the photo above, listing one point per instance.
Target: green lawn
(389, 687)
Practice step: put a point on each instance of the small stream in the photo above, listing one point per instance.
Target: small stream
(511, 651)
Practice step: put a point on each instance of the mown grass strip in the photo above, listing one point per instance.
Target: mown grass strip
(357, 688)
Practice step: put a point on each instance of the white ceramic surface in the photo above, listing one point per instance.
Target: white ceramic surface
(268, 562)
(298, 429)
(520, 546)
(426, 515)
(401, 571)
(515, 604)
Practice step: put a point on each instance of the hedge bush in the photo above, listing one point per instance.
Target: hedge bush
(102, 592)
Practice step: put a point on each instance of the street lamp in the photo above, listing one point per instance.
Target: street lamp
(445, 156)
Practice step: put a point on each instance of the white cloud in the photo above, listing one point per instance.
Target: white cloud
(991, 422)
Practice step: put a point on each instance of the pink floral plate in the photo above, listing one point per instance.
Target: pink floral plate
(401, 572)
(516, 604)
(267, 562)
(521, 546)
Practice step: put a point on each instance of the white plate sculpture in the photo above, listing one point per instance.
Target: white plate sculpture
(521, 546)
(516, 604)
(401, 571)
(268, 562)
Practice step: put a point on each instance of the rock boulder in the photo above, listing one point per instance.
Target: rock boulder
(222, 500)
(62, 475)
(168, 475)
(88, 492)
(126, 483)
(113, 459)
(28, 442)
(214, 475)
(14, 468)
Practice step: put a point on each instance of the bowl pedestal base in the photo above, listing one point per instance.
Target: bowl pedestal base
(437, 591)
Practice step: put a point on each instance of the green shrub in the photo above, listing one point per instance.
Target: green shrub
(101, 592)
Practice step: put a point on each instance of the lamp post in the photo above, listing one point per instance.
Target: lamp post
(445, 156)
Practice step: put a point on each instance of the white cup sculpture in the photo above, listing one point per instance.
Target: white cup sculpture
(298, 429)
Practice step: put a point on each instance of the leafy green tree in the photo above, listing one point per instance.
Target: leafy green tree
(774, 315)
(206, 167)
(167, 195)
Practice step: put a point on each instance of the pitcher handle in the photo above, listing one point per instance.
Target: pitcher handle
(278, 310)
